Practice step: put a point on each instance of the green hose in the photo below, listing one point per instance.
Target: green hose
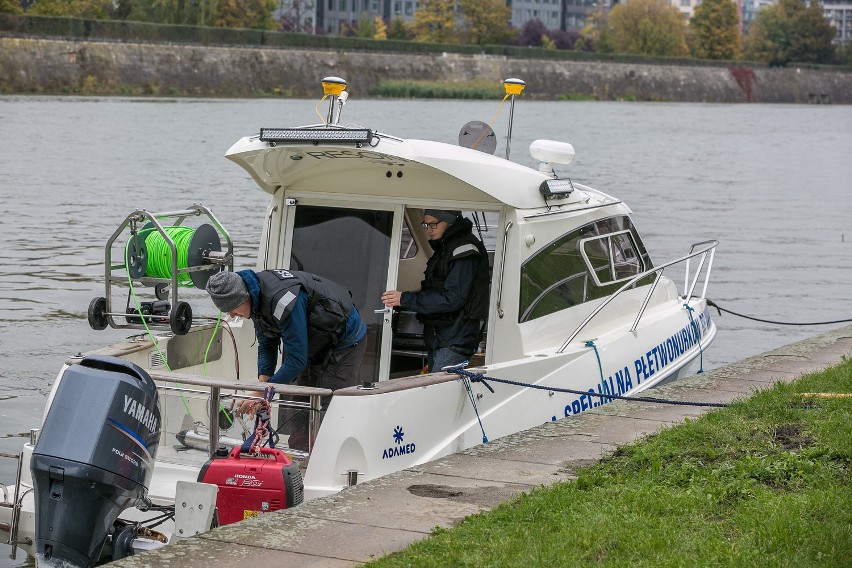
(160, 253)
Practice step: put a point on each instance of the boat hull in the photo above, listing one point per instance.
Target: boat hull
(375, 433)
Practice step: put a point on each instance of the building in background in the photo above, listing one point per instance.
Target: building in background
(339, 16)
(549, 12)
(749, 10)
(297, 15)
(686, 7)
(839, 14)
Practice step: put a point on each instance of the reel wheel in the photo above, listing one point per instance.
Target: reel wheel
(137, 255)
(204, 240)
(161, 290)
(97, 314)
(180, 319)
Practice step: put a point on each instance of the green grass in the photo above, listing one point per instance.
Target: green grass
(577, 97)
(438, 90)
(765, 482)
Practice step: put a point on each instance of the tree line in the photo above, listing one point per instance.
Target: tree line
(789, 31)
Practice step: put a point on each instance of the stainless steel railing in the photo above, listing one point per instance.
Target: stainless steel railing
(215, 386)
(15, 505)
(704, 249)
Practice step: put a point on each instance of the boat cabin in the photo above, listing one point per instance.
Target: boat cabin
(352, 212)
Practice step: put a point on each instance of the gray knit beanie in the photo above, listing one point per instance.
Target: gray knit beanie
(442, 215)
(227, 290)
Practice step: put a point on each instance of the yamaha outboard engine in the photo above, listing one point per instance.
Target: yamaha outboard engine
(94, 457)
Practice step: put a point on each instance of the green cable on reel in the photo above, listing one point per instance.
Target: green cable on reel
(160, 254)
(149, 254)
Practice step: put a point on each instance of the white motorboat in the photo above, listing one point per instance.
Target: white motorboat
(579, 314)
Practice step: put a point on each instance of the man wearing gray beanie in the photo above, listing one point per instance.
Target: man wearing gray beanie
(227, 291)
(314, 318)
(453, 299)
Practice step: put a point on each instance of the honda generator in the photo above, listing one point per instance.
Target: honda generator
(252, 484)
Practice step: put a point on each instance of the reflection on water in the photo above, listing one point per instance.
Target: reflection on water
(768, 181)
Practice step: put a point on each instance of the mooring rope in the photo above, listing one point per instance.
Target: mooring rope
(472, 398)
(689, 310)
(478, 377)
(263, 413)
(591, 343)
(733, 313)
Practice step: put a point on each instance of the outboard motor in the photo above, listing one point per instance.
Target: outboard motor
(94, 458)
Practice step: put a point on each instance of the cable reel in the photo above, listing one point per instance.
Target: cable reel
(163, 257)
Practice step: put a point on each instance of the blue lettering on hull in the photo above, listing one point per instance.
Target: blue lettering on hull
(399, 449)
(395, 451)
(645, 366)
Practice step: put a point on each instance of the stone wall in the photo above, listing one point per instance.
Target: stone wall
(30, 65)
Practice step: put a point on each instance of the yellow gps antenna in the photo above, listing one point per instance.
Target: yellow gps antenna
(334, 87)
(513, 87)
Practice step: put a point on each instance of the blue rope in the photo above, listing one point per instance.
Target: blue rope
(689, 310)
(479, 378)
(591, 343)
(470, 395)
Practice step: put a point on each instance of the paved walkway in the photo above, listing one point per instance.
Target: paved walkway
(386, 515)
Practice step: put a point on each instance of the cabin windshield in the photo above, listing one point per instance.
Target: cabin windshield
(586, 264)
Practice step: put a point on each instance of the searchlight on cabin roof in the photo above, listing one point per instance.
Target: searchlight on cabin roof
(357, 136)
(549, 152)
(334, 89)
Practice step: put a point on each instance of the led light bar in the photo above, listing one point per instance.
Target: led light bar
(356, 136)
(556, 188)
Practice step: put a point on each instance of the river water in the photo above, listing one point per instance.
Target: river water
(770, 182)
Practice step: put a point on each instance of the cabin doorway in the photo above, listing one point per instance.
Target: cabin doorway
(351, 246)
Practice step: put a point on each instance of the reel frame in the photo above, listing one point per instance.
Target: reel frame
(205, 257)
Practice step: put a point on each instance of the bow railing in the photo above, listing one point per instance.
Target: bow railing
(705, 250)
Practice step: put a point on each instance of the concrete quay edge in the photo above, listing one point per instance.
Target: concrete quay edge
(385, 515)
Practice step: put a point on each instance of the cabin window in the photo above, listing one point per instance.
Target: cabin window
(583, 265)
(408, 246)
(611, 258)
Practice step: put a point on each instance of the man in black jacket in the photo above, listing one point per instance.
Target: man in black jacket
(312, 318)
(453, 299)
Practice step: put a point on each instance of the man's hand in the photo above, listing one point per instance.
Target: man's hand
(392, 298)
(249, 406)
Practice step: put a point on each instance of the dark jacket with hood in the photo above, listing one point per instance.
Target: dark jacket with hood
(308, 314)
(453, 299)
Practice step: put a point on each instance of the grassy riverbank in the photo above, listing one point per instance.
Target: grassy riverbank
(425, 89)
(764, 482)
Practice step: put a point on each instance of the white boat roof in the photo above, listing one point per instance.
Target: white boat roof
(391, 168)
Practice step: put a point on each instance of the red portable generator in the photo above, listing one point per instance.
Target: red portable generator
(249, 485)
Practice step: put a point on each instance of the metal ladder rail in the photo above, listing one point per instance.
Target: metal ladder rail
(215, 397)
(710, 249)
(15, 505)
